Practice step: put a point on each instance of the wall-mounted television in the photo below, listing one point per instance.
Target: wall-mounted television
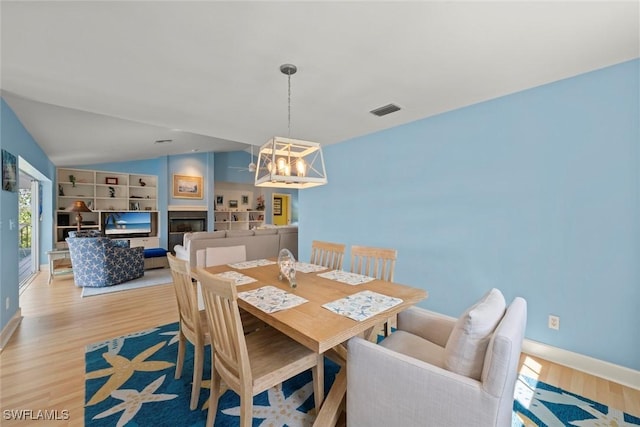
(127, 223)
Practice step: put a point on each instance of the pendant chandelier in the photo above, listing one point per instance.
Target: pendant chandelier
(287, 162)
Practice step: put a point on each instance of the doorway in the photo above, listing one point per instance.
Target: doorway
(29, 199)
(281, 209)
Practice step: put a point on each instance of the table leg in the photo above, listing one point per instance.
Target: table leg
(331, 408)
(50, 270)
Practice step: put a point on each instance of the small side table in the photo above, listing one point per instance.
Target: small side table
(59, 263)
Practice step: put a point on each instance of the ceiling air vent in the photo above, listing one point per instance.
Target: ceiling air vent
(387, 109)
(163, 141)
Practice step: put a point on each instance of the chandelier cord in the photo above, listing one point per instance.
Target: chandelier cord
(289, 108)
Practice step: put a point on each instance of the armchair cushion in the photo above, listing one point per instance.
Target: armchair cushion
(85, 233)
(120, 243)
(416, 347)
(467, 344)
(426, 324)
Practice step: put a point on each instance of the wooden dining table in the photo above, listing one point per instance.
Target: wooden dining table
(316, 327)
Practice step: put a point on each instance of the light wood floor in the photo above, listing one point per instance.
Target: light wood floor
(42, 367)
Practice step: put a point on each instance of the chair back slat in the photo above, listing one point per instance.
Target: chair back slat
(223, 317)
(374, 262)
(186, 296)
(327, 254)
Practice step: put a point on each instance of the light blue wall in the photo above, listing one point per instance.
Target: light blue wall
(16, 140)
(230, 167)
(536, 193)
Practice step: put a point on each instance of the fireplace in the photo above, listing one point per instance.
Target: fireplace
(181, 222)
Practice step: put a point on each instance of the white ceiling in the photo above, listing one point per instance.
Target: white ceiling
(101, 81)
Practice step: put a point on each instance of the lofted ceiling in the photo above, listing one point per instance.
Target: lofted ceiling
(101, 81)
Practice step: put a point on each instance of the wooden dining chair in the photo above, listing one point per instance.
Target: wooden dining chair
(327, 254)
(379, 263)
(250, 364)
(373, 262)
(230, 255)
(193, 324)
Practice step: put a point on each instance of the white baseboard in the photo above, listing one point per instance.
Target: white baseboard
(10, 328)
(610, 371)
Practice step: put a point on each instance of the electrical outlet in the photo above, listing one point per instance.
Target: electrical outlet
(554, 322)
(7, 303)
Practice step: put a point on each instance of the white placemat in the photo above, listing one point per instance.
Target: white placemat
(362, 305)
(271, 299)
(238, 278)
(251, 264)
(346, 277)
(305, 267)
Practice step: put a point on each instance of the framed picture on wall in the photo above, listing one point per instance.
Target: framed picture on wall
(219, 200)
(9, 172)
(233, 203)
(245, 200)
(187, 187)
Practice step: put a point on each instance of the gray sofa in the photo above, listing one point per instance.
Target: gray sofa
(260, 243)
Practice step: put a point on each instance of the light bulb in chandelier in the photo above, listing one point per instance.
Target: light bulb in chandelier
(281, 162)
(301, 167)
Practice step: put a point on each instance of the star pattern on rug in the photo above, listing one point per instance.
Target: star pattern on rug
(536, 399)
(207, 384)
(122, 369)
(174, 336)
(114, 345)
(613, 418)
(281, 410)
(148, 381)
(132, 401)
(533, 398)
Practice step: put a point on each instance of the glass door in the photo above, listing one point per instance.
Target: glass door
(28, 222)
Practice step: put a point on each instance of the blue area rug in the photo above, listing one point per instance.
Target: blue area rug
(539, 404)
(129, 382)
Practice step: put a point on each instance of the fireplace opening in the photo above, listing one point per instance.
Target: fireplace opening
(181, 222)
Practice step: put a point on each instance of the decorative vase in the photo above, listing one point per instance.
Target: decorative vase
(287, 264)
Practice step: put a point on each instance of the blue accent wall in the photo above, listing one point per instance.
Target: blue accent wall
(15, 139)
(231, 167)
(536, 193)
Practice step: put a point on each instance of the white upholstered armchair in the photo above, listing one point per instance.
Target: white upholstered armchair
(438, 371)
